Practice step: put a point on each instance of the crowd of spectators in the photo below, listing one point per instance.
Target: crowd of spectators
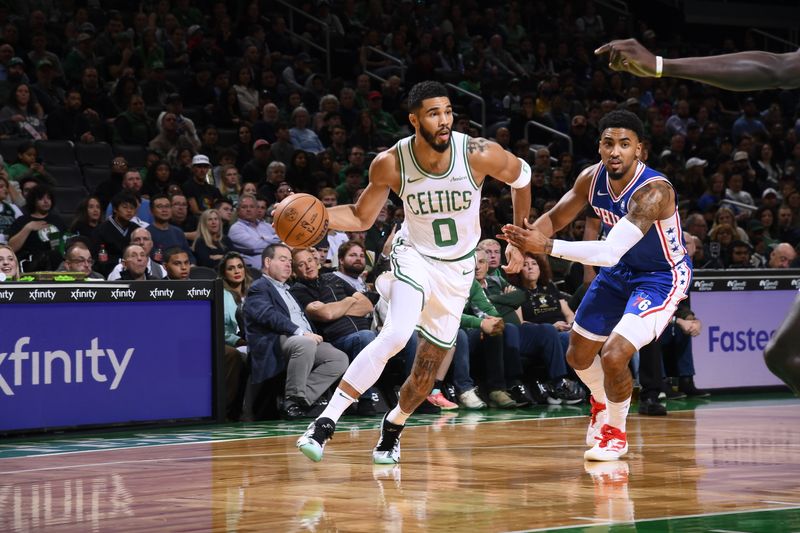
(231, 113)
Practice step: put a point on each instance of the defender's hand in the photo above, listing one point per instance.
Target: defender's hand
(527, 239)
(628, 55)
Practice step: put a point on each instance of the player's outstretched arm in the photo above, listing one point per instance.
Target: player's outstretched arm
(652, 202)
(742, 71)
(384, 174)
(488, 158)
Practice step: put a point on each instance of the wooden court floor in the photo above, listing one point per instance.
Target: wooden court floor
(721, 466)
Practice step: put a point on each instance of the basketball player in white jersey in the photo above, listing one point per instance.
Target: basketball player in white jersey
(438, 173)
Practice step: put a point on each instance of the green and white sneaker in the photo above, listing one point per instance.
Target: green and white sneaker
(387, 451)
(312, 442)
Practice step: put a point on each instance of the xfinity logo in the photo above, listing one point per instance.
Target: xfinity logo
(39, 367)
(159, 293)
(736, 285)
(41, 295)
(6, 295)
(704, 285)
(194, 291)
(123, 293)
(768, 284)
(78, 294)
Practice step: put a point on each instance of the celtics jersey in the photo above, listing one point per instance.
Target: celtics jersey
(441, 211)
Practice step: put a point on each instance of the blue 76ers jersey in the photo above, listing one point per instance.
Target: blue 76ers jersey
(662, 247)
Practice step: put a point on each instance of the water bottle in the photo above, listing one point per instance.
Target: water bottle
(159, 255)
(102, 254)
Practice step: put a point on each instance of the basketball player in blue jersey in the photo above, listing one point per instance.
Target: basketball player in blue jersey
(645, 273)
(438, 173)
(742, 71)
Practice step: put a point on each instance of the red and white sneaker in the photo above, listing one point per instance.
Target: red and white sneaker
(599, 419)
(441, 402)
(612, 445)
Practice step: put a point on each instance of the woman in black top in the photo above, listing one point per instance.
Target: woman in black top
(208, 248)
(88, 217)
(544, 303)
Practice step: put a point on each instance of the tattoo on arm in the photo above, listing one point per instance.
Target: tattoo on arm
(477, 145)
(646, 206)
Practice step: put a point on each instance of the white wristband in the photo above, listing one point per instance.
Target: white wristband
(524, 175)
(659, 66)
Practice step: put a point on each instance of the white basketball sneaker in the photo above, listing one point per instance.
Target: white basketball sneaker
(599, 419)
(612, 445)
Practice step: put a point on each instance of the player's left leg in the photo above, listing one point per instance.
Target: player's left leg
(783, 351)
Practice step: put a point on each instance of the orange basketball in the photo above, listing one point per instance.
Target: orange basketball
(300, 220)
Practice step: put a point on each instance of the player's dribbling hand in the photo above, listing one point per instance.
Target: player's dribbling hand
(628, 55)
(527, 239)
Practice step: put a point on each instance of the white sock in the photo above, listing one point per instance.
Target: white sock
(337, 405)
(618, 413)
(594, 378)
(398, 416)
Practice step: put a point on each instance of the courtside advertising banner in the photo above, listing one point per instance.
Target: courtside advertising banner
(739, 315)
(97, 354)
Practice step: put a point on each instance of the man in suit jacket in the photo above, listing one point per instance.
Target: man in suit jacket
(280, 337)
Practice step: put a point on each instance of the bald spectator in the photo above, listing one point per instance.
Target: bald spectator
(782, 256)
(249, 235)
(134, 264)
(143, 238)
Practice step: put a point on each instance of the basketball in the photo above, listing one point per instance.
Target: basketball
(300, 220)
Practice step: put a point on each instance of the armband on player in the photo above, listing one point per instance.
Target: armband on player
(524, 175)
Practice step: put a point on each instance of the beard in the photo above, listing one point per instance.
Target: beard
(353, 270)
(430, 138)
(616, 176)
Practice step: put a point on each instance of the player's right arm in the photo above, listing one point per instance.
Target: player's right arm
(384, 175)
(742, 71)
(569, 206)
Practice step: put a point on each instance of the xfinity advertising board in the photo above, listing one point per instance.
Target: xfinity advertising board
(95, 354)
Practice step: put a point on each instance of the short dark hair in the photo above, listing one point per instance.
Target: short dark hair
(158, 196)
(344, 248)
(173, 251)
(424, 90)
(621, 118)
(269, 251)
(124, 197)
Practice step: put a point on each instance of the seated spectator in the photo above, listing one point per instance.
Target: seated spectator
(29, 164)
(164, 234)
(22, 116)
(200, 194)
(341, 314)
(725, 215)
(159, 179)
(248, 235)
(353, 181)
(134, 264)
(9, 212)
(208, 248)
(303, 137)
(782, 256)
(230, 184)
(676, 345)
(69, 122)
(225, 209)
(134, 126)
(255, 169)
(9, 266)
(176, 263)
(142, 237)
(541, 339)
(132, 182)
(171, 138)
(544, 303)
(87, 218)
(78, 258)
(740, 255)
(112, 236)
(276, 174)
(181, 216)
(236, 281)
(280, 337)
(721, 238)
(36, 234)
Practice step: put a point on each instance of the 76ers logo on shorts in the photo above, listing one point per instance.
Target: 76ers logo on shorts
(641, 303)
